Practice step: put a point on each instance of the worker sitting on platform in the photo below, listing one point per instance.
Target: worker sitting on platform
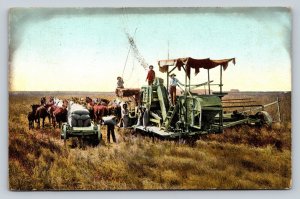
(120, 84)
(172, 88)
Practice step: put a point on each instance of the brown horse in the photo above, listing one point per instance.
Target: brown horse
(58, 114)
(100, 107)
(42, 113)
(99, 112)
(90, 106)
(98, 101)
(31, 116)
(43, 100)
(114, 110)
(103, 101)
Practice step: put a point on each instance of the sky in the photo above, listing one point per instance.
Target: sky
(85, 49)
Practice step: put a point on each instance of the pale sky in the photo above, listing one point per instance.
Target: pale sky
(85, 49)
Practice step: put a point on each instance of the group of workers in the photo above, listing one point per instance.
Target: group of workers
(150, 78)
(125, 112)
(172, 86)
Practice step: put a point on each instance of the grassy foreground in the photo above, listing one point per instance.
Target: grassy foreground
(240, 158)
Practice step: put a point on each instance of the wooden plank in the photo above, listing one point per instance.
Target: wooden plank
(230, 124)
(236, 99)
(238, 102)
(272, 103)
(262, 106)
(211, 108)
(208, 81)
(254, 105)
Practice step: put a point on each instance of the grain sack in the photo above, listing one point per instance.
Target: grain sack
(75, 116)
(84, 117)
(77, 109)
(87, 123)
(79, 123)
(72, 122)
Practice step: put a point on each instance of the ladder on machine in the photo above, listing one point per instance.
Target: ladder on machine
(170, 115)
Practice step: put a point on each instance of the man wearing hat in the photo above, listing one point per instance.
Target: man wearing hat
(150, 76)
(120, 84)
(172, 89)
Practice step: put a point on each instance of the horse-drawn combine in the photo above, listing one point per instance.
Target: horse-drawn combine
(151, 111)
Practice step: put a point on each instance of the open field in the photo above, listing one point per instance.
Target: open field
(242, 157)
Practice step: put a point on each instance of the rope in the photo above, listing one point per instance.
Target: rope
(137, 54)
(132, 47)
(126, 61)
(128, 54)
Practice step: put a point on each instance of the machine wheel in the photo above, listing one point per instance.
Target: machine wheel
(81, 142)
(264, 118)
(191, 141)
(65, 132)
(99, 136)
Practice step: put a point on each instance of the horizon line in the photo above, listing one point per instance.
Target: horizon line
(114, 91)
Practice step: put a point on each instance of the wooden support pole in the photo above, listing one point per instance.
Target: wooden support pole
(185, 100)
(221, 112)
(208, 81)
(189, 84)
(168, 80)
(278, 110)
(221, 121)
(221, 84)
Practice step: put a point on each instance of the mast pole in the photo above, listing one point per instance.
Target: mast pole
(221, 80)
(168, 69)
(185, 99)
(208, 81)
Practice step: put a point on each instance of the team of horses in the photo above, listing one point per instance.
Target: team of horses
(56, 110)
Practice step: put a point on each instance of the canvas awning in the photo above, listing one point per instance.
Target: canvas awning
(193, 63)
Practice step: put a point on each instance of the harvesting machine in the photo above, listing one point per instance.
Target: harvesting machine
(193, 114)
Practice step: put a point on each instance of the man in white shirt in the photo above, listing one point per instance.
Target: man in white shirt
(172, 88)
(125, 115)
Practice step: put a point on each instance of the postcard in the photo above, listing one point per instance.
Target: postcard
(149, 98)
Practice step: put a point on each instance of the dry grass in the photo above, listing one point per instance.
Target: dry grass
(240, 158)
